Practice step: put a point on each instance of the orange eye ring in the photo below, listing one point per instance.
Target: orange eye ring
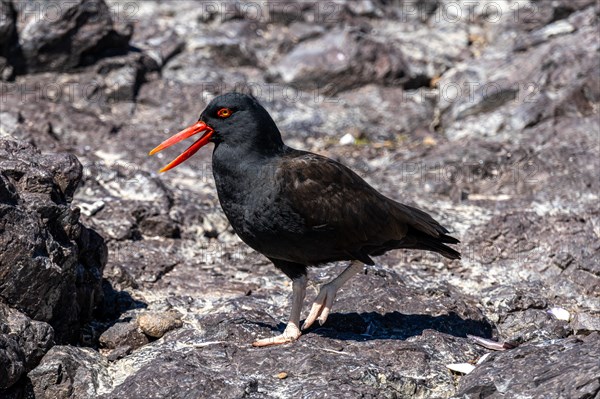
(224, 113)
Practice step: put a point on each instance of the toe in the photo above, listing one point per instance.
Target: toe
(315, 310)
(323, 316)
(326, 308)
(268, 341)
(278, 340)
(291, 334)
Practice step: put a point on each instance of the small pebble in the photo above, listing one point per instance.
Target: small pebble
(157, 324)
(282, 376)
(347, 139)
(560, 314)
(429, 141)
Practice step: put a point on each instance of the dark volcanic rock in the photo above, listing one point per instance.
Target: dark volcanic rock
(340, 60)
(52, 272)
(69, 372)
(538, 371)
(120, 77)
(123, 335)
(82, 33)
(7, 23)
(525, 87)
(390, 347)
(23, 342)
(182, 375)
(8, 38)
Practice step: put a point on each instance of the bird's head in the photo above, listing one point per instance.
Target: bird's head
(234, 119)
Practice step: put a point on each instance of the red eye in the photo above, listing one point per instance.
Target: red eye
(224, 113)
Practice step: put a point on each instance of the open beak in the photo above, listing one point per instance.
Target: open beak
(198, 127)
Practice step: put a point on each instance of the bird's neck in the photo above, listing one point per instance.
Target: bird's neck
(243, 166)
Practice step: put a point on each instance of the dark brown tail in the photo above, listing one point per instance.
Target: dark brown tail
(420, 240)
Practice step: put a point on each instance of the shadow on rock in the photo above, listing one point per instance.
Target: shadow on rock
(395, 325)
(114, 305)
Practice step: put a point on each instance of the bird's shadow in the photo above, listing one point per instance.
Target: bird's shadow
(395, 325)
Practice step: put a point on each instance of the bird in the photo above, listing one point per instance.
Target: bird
(300, 209)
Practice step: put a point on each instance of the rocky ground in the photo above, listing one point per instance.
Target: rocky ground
(116, 282)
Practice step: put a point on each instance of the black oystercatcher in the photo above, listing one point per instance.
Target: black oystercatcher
(300, 209)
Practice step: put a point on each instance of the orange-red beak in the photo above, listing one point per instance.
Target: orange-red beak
(198, 127)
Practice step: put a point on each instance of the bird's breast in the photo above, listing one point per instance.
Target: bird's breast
(246, 196)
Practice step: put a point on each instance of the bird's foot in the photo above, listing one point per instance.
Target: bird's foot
(322, 305)
(290, 334)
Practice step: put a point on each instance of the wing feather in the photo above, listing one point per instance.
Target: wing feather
(339, 206)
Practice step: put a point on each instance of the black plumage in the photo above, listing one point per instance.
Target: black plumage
(301, 209)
